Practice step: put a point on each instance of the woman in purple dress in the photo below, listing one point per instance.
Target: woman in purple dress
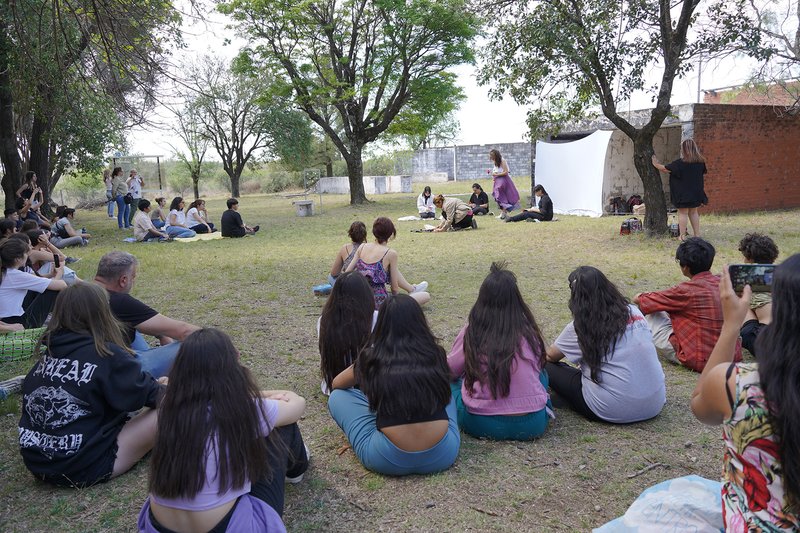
(504, 191)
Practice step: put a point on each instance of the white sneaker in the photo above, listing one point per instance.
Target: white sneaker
(422, 286)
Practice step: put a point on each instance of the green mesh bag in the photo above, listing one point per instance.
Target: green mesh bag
(18, 345)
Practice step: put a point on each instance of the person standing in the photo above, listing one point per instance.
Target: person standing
(135, 184)
(503, 189)
(119, 189)
(479, 201)
(686, 187)
(109, 183)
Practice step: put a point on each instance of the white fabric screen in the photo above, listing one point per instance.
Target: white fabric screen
(572, 173)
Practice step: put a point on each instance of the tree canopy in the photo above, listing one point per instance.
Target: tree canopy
(367, 59)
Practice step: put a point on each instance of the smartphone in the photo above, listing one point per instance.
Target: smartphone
(56, 260)
(759, 277)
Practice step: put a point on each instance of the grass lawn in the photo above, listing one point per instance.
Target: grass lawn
(258, 289)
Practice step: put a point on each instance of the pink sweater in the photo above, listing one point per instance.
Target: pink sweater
(526, 393)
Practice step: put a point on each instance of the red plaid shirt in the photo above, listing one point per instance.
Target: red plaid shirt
(696, 315)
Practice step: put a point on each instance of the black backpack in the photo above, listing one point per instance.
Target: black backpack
(635, 199)
(618, 206)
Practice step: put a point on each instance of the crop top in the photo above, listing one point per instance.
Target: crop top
(385, 421)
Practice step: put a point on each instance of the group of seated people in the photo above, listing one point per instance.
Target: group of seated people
(152, 223)
(400, 398)
(457, 214)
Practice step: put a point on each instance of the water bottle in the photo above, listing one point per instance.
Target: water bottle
(674, 229)
(83, 230)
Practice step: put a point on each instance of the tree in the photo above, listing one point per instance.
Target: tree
(242, 115)
(369, 59)
(565, 56)
(72, 74)
(189, 130)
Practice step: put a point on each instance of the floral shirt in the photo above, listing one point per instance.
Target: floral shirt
(752, 490)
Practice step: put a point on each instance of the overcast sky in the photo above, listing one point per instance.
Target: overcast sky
(482, 121)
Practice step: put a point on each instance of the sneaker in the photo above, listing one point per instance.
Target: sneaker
(422, 286)
(256, 228)
(474, 224)
(499, 216)
(70, 260)
(297, 479)
(490, 214)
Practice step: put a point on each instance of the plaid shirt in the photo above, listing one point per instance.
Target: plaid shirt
(696, 315)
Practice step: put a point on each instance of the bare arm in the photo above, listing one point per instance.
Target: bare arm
(346, 379)
(8, 328)
(160, 326)
(394, 272)
(553, 354)
(291, 406)
(352, 265)
(336, 267)
(659, 166)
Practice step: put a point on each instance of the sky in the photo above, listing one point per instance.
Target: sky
(482, 121)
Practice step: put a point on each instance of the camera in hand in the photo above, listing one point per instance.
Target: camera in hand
(759, 277)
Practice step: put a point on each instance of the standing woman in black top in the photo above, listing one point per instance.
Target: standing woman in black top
(686, 185)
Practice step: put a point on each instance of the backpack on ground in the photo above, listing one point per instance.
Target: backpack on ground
(618, 206)
(634, 200)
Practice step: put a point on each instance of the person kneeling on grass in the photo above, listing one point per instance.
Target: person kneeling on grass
(619, 379)
(497, 358)
(456, 214)
(542, 210)
(760, 249)
(224, 448)
(402, 418)
(76, 428)
(231, 224)
(143, 228)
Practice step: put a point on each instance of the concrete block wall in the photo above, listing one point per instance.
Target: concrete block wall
(467, 163)
(622, 179)
(752, 156)
(372, 185)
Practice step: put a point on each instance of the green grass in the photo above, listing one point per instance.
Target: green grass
(258, 289)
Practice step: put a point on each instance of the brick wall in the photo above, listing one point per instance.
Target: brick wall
(472, 161)
(752, 156)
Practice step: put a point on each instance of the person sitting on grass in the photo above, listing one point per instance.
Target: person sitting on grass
(760, 249)
(542, 210)
(157, 213)
(479, 201)
(76, 428)
(64, 234)
(7, 228)
(686, 319)
(757, 405)
(456, 214)
(197, 218)
(497, 359)
(358, 236)
(224, 448)
(12, 215)
(378, 263)
(25, 298)
(619, 379)
(231, 224)
(176, 221)
(425, 204)
(401, 419)
(345, 325)
(42, 257)
(25, 212)
(143, 228)
(117, 271)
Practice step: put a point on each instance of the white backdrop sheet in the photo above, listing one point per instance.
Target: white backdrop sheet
(572, 173)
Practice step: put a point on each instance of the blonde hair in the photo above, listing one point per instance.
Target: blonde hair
(690, 153)
(438, 200)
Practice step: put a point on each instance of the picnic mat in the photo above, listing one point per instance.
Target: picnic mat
(201, 237)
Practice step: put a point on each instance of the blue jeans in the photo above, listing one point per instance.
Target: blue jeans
(158, 223)
(350, 409)
(111, 203)
(156, 361)
(179, 232)
(123, 212)
(501, 427)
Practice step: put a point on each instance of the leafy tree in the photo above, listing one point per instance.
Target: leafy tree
(243, 115)
(70, 75)
(189, 130)
(368, 59)
(566, 56)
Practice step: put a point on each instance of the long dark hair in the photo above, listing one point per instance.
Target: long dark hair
(345, 325)
(498, 323)
(211, 397)
(600, 314)
(176, 203)
(496, 157)
(403, 372)
(778, 348)
(83, 308)
(11, 250)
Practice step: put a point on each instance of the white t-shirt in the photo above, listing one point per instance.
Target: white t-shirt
(14, 287)
(631, 385)
(193, 218)
(180, 218)
(135, 187)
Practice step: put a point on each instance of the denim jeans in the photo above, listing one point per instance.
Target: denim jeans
(350, 409)
(123, 212)
(111, 202)
(179, 232)
(158, 223)
(156, 361)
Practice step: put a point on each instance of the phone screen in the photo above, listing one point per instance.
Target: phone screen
(759, 277)
(56, 260)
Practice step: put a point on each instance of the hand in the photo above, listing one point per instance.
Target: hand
(12, 327)
(734, 307)
(163, 380)
(282, 396)
(43, 239)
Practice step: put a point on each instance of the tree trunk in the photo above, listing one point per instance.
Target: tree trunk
(234, 183)
(195, 183)
(655, 219)
(355, 173)
(329, 168)
(9, 155)
(40, 156)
